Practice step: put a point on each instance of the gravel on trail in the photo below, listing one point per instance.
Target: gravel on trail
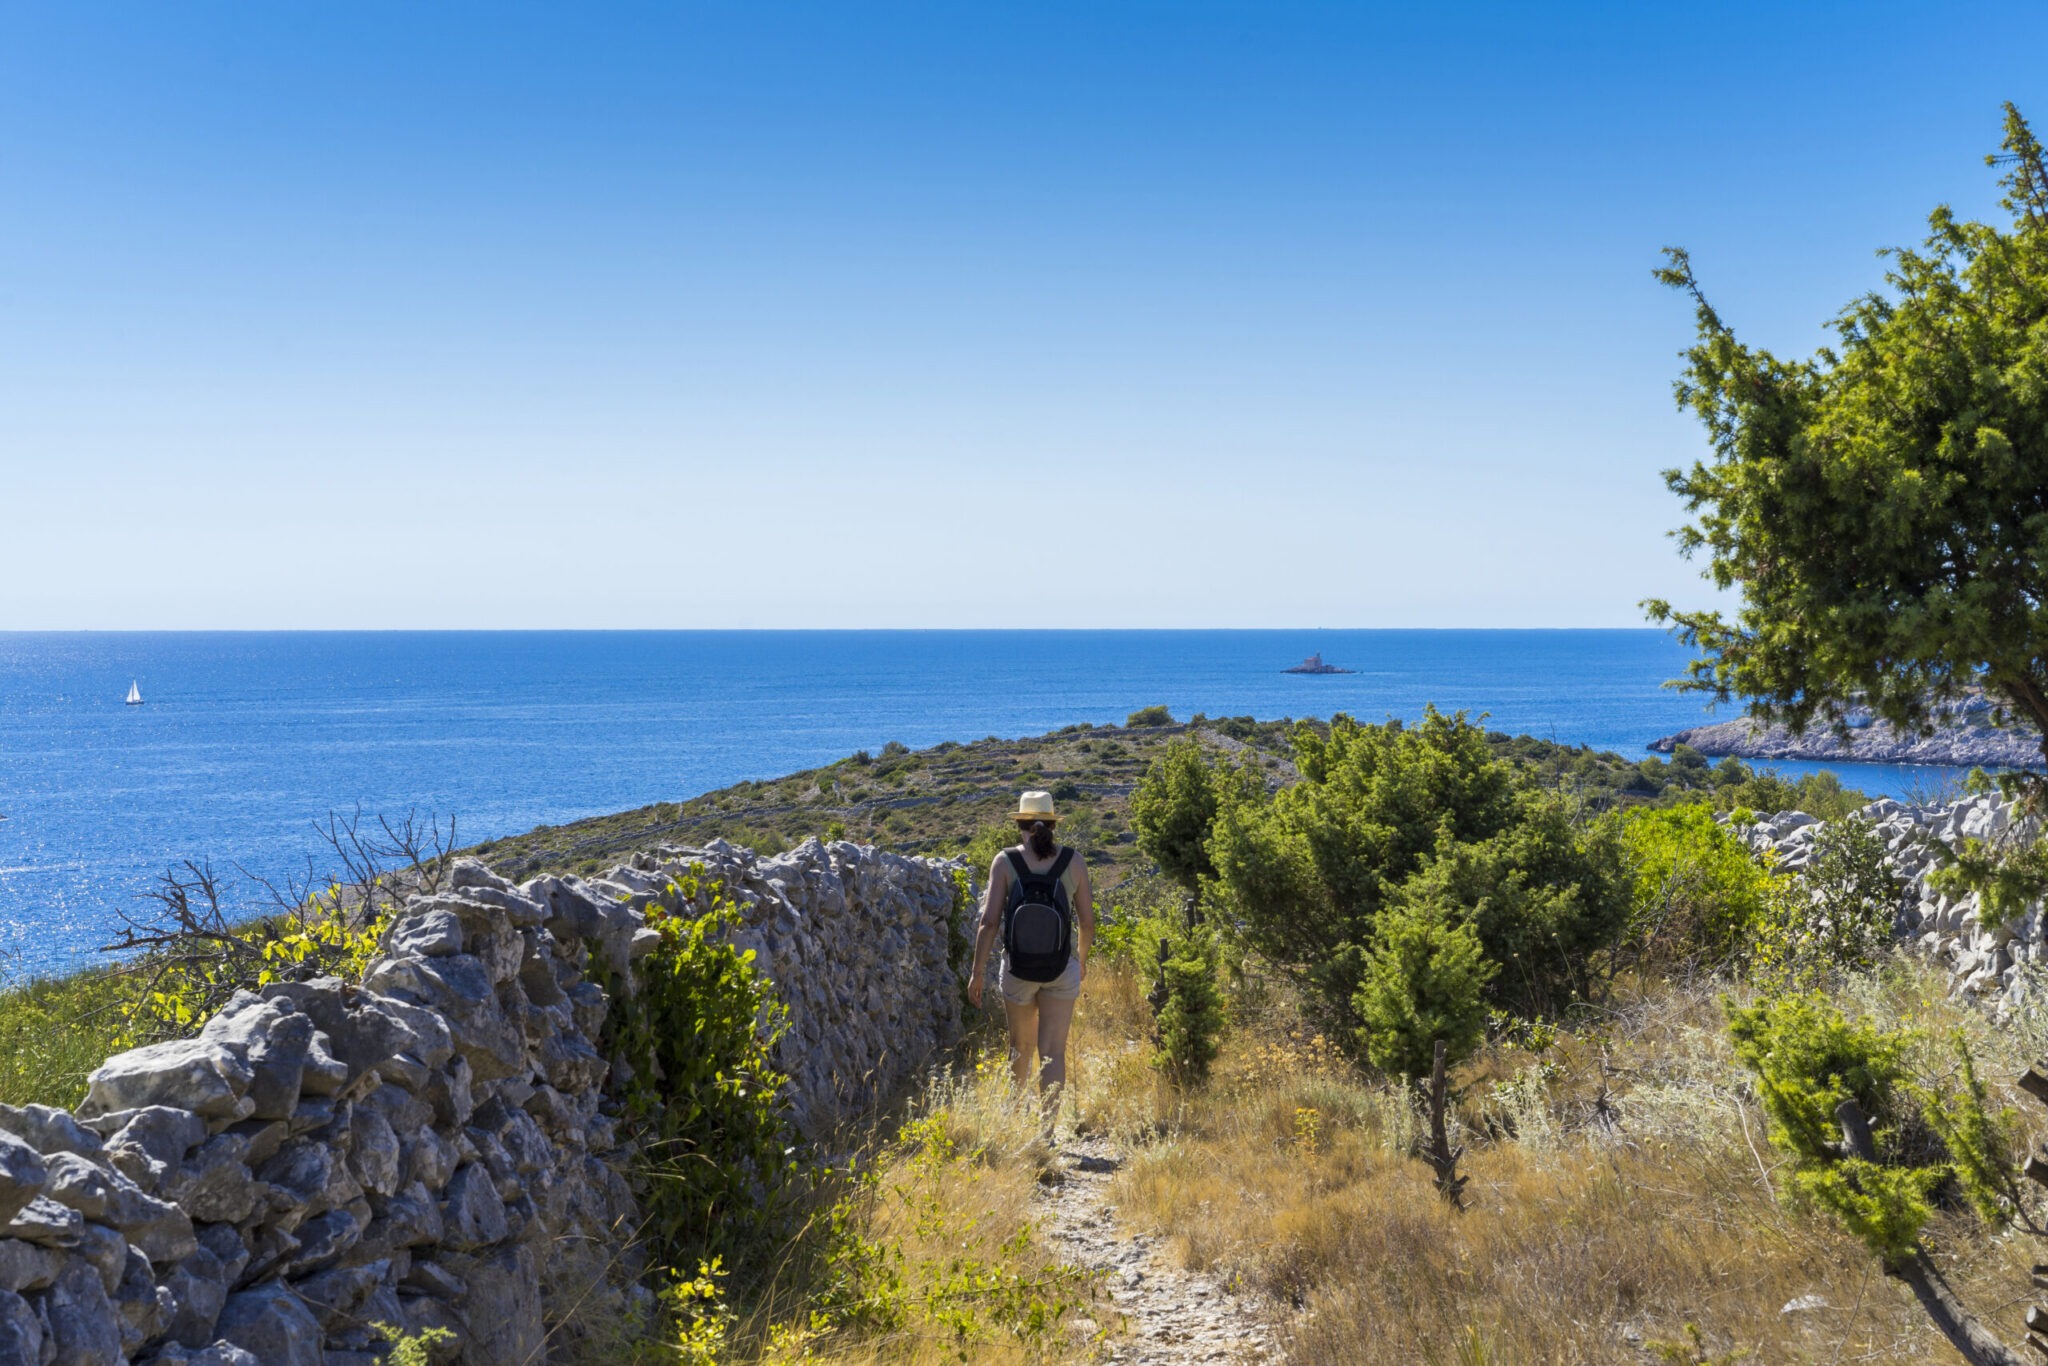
(1170, 1315)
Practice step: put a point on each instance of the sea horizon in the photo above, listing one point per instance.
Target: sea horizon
(246, 738)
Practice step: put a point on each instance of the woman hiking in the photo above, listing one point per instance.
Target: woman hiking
(1040, 905)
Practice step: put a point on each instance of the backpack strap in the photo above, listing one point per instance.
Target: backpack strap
(1059, 865)
(1019, 870)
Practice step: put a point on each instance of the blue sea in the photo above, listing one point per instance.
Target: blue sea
(245, 740)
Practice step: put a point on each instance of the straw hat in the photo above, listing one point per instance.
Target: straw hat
(1036, 806)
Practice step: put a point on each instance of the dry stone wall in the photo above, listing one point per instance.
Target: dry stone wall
(425, 1149)
(1982, 959)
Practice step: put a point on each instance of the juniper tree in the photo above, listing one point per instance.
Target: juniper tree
(1882, 507)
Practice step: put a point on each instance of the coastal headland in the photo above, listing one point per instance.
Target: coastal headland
(1966, 737)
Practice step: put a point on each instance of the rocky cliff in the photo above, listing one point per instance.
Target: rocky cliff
(435, 1147)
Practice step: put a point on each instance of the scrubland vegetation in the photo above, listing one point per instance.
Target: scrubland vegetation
(956, 798)
(1697, 1109)
(1297, 932)
(1638, 1185)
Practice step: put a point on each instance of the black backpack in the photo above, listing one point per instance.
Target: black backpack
(1038, 926)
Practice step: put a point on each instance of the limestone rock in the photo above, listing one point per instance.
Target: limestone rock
(21, 1175)
(427, 932)
(411, 1218)
(148, 1144)
(375, 1155)
(214, 1185)
(27, 1266)
(21, 1332)
(474, 1212)
(474, 872)
(199, 1286)
(501, 1307)
(230, 1245)
(331, 1295)
(214, 1354)
(81, 1319)
(162, 1230)
(274, 1037)
(105, 1251)
(199, 1075)
(46, 1223)
(323, 1240)
(271, 1322)
(431, 1278)
(143, 1307)
(300, 1170)
(362, 1028)
(49, 1130)
(460, 989)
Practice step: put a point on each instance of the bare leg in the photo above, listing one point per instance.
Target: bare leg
(1024, 1032)
(1055, 1018)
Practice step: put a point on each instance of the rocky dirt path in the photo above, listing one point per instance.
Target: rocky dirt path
(1171, 1315)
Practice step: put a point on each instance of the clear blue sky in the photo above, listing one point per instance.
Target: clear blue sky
(1187, 314)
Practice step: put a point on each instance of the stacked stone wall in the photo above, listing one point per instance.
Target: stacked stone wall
(433, 1147)
(1983, 959)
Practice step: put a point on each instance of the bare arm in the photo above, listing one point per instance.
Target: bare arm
(991, 921)
(1084, 912)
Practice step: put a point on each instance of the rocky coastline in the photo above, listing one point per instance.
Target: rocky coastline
(1965, 739)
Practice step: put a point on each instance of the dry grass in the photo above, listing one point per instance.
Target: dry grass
(949, 1185)
(1622, 1202)
(1621, 1190)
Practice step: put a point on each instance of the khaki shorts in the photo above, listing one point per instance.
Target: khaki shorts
(1065, 987)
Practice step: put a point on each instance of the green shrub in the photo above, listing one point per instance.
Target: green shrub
(1696, 892)
(2007, 878)
(1425, 980)
(1835, 917)
(704, 1096)
(1547, 896)
(413, 1349)
(1191, 1017)
(988, 842)
(55, 1031)
(1306, 872)
(1175, 805)
(1149, 716)
(1131, 921)
(1808, 1058)
(1817, 794)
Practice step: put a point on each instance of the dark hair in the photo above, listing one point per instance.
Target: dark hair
(1038, 837)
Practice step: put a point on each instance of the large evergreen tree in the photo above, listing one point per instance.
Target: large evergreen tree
(1883, 506)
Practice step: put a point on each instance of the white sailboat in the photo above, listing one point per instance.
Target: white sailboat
(134, 695)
